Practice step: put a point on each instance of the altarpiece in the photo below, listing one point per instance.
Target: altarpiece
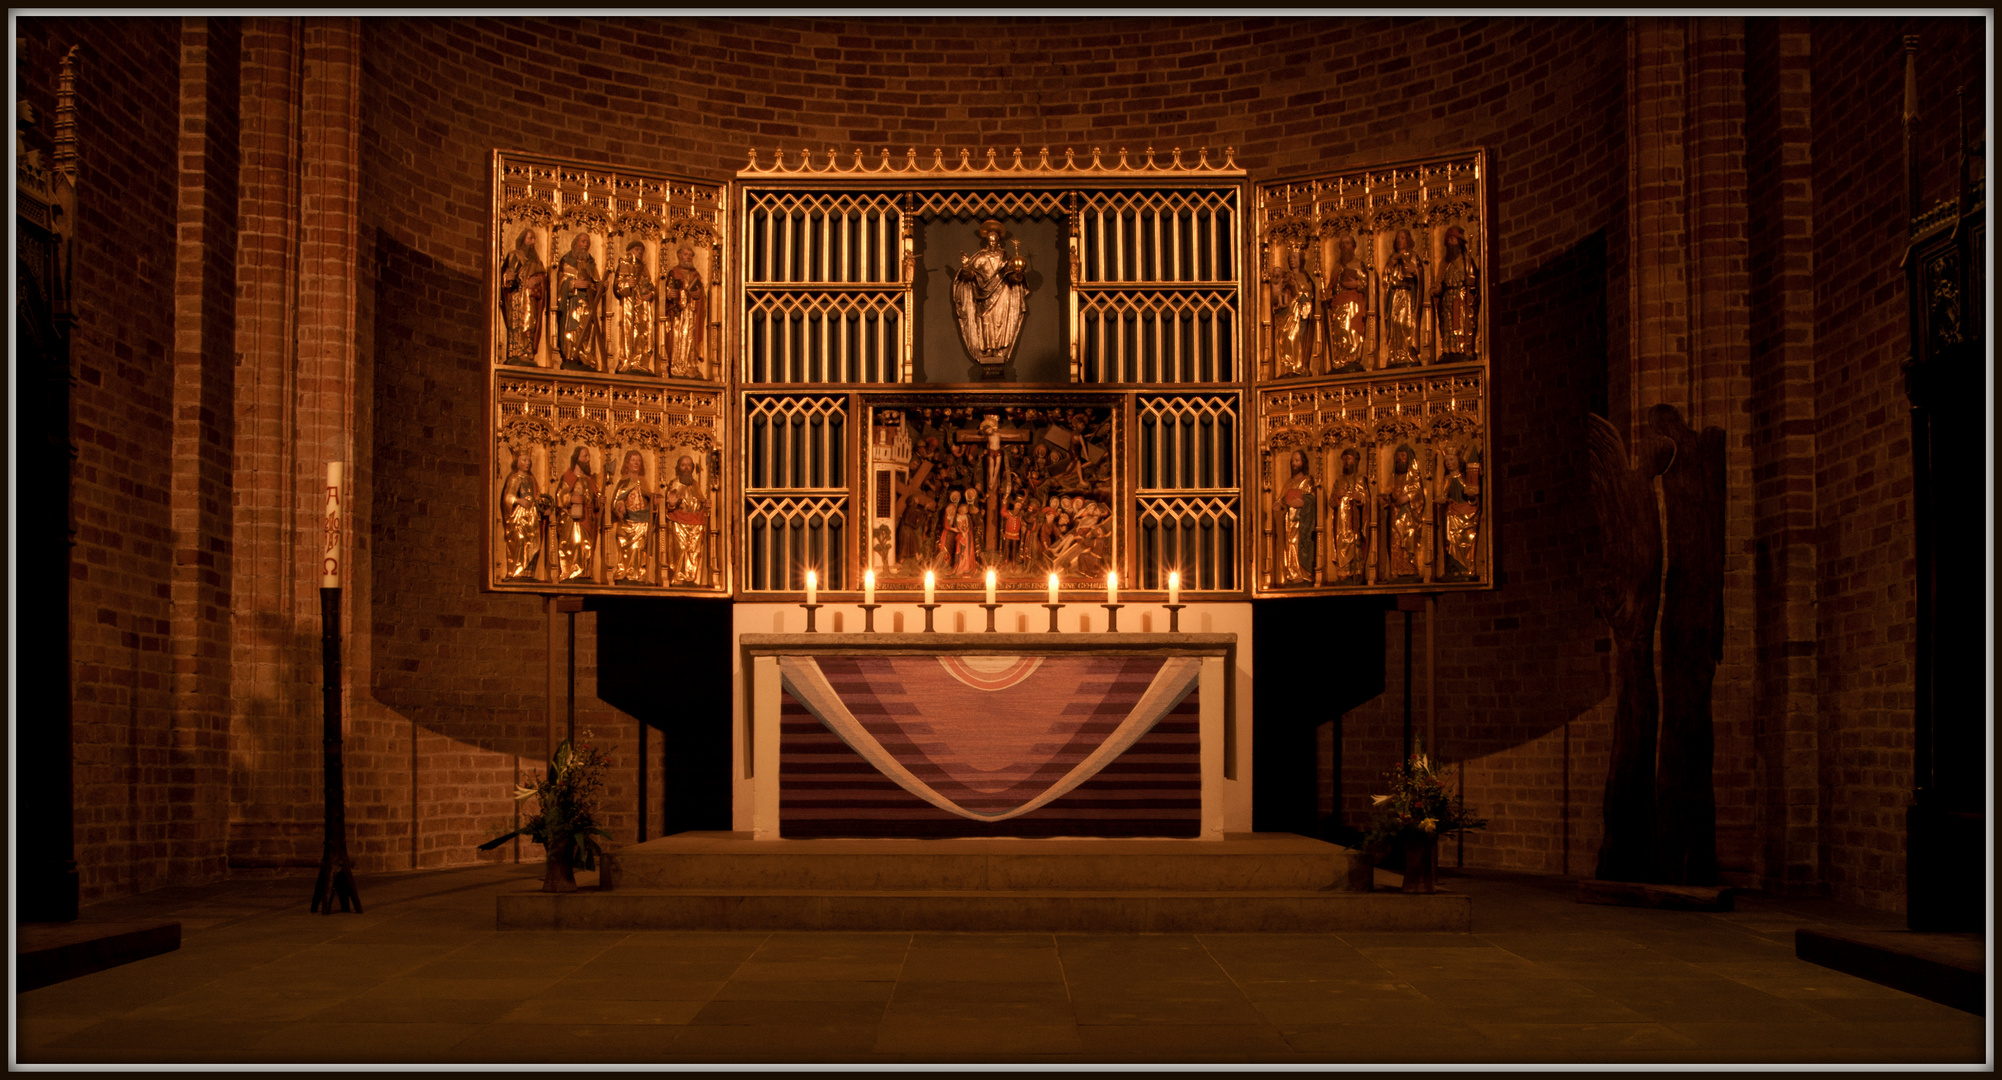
(1041, 364)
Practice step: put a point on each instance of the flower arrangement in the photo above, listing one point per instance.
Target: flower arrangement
(565, 821)
(1417, 807)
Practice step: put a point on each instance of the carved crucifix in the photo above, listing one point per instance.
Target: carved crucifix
(989, 432)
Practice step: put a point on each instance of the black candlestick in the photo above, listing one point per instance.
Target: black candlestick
(868, 617)
(929, 608)
(1054, 608)
(991, 609)
(1174, 617)
(810, 609)
(1112, 617)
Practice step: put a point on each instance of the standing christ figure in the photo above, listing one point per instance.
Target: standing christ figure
(989, 296)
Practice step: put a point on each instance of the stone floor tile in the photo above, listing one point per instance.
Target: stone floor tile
(1515, 1041)
(998, 965)
(1186, 1042)
(948, 1011)
(777, 1041)
(907, 990)
(1247, 972)
(367, 1009)
(363, 1042)
(631, 988)
(632, 951)
(978, 939)
(1698, 999)
(1381, 988)
(606, 967)
(806, 990)
(33, 1031)
(960, 1039)
(1163, 1005)
(804, 970)
(739, 1013)
(589, 1011)
(1393, 1043)
(157, 1034)
(237, 1006)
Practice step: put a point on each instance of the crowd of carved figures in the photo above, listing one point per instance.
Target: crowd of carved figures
(649, 520)
(1026, 490)
(622, 319)
(1349, 291)
(1394, 504)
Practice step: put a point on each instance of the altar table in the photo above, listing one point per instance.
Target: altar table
(959, 735)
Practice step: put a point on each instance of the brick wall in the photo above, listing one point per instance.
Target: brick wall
(360, 151)
(123, 353)
(1863, 461)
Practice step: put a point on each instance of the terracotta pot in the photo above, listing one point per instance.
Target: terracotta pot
(559, 869)
(1421, 864)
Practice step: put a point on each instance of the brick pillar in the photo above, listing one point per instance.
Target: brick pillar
(1720, 395)
(1659, 357)
(274, 730)
(200, 498)
(1780, 179)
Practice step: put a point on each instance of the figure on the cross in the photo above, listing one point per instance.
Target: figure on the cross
(989, 432)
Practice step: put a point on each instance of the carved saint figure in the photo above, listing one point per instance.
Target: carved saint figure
(684, 315)
(951, 531)
(576, 499)
(632, 520)
(521, 519)
(1350, 554)
(580, 294)
(1347, 310)
(1405, 504)
(1296, 524)
(1456, 300)
(636, 294)
(1293, 319)
(1462, 515)
(524, 298)
(1402, 298)
(686, 557)
(990, 294)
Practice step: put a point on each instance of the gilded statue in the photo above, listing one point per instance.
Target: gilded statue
(1349, 558)
(1403, 296)
(524, 287)
(1405, 503)
(990, 294)
(576, 512)
(1456, 300)
(686, 556)
(1297, 508)
(632, 520)
(522, 507)
(1462, 516)
(1347, 313)
(634, 289)
(1293, 319)
(684, 315)
(580, 294)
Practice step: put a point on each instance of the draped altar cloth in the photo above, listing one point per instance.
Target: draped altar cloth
(958, 745)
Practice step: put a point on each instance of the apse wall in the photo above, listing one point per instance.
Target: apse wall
(694, 97)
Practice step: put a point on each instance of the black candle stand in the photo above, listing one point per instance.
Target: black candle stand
(1174, 617)
(868, 617)
(991, 609)
(1054, 608)
(1112, 617)
(929, 608)
(810, 609)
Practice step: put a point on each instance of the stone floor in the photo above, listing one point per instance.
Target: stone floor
(423, 977)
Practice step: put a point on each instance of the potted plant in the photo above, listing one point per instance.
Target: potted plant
(1413, 817)
(565, 821)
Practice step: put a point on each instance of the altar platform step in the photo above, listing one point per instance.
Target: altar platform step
(1245, 882)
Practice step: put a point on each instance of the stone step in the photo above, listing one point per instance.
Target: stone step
(1074, 911)
(1250, 862)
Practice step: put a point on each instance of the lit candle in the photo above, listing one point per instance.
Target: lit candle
(929, 581)
(1174, 586)
(990, 586)
(812, 593)
(1111, 587)
(330, 547)
(1053, 588)
(868, 586)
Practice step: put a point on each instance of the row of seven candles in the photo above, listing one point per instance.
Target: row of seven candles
(869, 587)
